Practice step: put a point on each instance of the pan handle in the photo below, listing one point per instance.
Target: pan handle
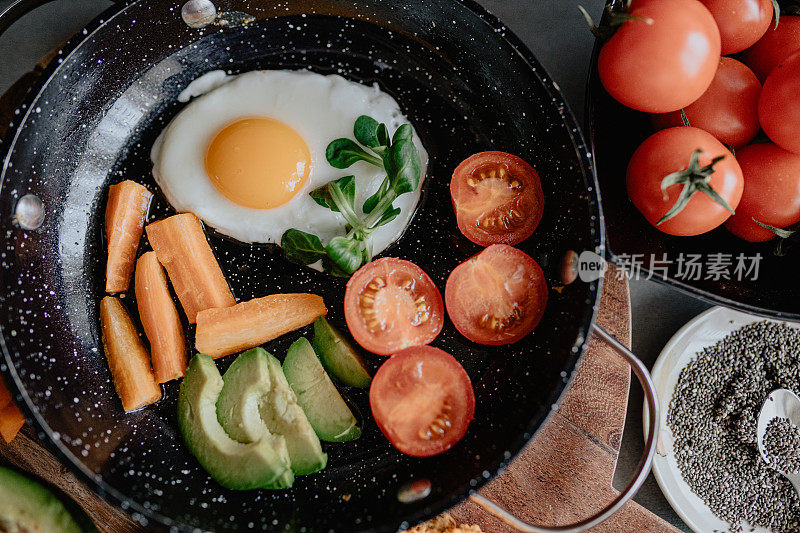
(643, 469)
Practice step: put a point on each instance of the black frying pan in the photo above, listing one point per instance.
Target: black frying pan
(467, 84)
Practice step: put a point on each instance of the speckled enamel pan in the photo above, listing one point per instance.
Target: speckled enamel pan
(467, 85)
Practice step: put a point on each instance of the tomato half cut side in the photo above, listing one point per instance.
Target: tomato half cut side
(497, 198)
(422, 401)
(391, 304)
(496, 297)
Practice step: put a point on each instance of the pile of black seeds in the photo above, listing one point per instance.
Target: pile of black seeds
(782, 445)
(713, 415)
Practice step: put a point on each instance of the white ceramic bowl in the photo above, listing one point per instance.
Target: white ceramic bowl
(706, 329)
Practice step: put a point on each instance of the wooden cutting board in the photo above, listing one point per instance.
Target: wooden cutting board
(563, 475)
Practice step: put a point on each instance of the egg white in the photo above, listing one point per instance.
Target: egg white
(320, 108)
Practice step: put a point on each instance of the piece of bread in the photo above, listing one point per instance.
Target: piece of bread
(444, 523)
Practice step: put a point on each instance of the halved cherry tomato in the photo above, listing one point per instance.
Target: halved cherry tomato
(775, 46)
(497, 296)
(728, 110)
(771, 191)
(741, 22)
(497, 198)
(391, 304)
(779, 105)
(422, 401)
(663, 58)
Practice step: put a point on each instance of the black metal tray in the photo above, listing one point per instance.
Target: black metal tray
(733, 272)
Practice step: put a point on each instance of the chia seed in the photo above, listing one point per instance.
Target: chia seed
(782, 445)
(713, 416)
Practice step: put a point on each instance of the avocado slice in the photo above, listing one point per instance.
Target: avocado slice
(246, 382)
(339, 356)
(27, 505)
(234, 465)
(269, 396)
(325, 408)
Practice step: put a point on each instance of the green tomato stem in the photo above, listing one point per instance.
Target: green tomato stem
(693, 180)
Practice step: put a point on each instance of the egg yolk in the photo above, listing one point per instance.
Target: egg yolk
(258, 162)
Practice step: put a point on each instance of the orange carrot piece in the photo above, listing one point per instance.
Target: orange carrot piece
(233, 329)
(125, 215)
(181, 246)
(11, 418)
(11, 421)
(127, 357)
(160, 319)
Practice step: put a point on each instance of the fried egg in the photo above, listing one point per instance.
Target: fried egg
(244, 156)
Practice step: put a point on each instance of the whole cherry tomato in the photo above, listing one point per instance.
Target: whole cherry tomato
(779, 105)
(673, 176)
(771, 192)
(663, 58)
(741, 22)
(775, 46)
(728, 110)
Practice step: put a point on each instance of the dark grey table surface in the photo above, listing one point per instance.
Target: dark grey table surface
(557, 34)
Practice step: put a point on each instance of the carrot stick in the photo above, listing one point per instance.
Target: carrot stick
(127, 357)
(233, 329)
(11, 421)
(160, 319)
(181, 246)
(125, 215)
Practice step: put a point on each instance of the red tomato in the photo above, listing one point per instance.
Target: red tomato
(741, 22)
(771, 191)
(669, 151)
(779, 105)
(497, 198)
(728, 110)
(422, 401)
(497, 296)
(391, 304)
(776, 45)
(664, 59)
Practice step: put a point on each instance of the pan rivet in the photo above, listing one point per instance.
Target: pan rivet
(29, 213)
(569, 267)
(414, 491)
(198, 13)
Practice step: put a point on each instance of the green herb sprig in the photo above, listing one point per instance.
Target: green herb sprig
(400, 159)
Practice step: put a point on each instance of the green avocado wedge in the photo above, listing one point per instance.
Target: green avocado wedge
(27, 505)
(325, 408)
(338, 355)
(245, 384)
(234, 465)
(256, 400)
